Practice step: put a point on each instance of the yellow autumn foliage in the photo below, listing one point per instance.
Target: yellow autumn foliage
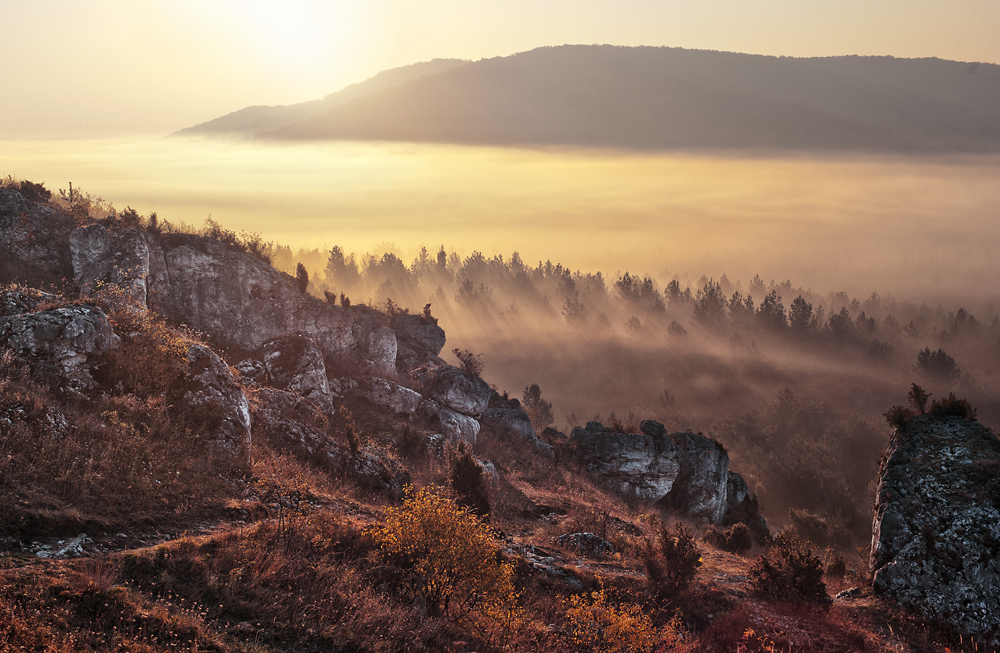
(453, 557)
(597, 624)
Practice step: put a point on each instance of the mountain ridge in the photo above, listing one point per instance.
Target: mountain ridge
(656, 98)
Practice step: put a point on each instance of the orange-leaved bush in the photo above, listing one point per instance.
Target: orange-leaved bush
(451, 554)
(597, 624)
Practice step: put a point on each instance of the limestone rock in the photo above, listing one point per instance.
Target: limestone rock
(120, 258)
(588, 544)
(22, 300)
(451, 387)
(252, 371)
(504, 420)
(681, 471)
(212, 388)
(936, 534)
(376, 342)
(420, 341)
(294, 362)
(68, 340)
(293, 424)
(455, 426)
(34, 241)
(400, 400)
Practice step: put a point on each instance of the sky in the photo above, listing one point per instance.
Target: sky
(98, 68)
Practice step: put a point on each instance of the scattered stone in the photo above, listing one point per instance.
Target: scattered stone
(65, 548)
(588, 544)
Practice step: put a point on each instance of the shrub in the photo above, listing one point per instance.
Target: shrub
(736, 539)
(152, 358)
(918, 397)
(451, 556)
(952, 406)
(468, 483)
(789, 572)
(673, 564)
(897, 415)
(472, 364)
(596, 624)
(29, 190)
(345, 422)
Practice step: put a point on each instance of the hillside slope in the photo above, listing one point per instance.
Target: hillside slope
(255, 119)
(666, 98)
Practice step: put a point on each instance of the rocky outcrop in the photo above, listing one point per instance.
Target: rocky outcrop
(682, 471)
(234, 297)
(506, 421)
(34, 241)
(455, 426)
(212, 390)
(402, 401)
(936, 534)
(121, 258)
(419, 340)
(295, 363)
(22, 300)
(67, 340)
(452, 388)
(295, 425)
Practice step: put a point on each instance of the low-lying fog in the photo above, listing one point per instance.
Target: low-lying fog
(885, 252)
(921, 227)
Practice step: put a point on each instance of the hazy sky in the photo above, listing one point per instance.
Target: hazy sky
(77, 68)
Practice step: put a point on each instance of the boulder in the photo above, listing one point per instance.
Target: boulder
(588, 544)
(681, 471)
(67, 340)
(504, 420)
(455, 426)
(212, 390)
(376, 342)
(378, 472)
(252, 371)
(936, 533)
(453, 388)
(400, 400)
(294, 362)
(420, 340)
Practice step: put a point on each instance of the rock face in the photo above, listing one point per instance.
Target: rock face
(682, 471)
(295, 363)
(293, 424)
(22, 300)
(34, 239)
(454, 389)
(420, 340)
(235, 298)
(211, 388)
(117, 257)
(69, 338)
(400, 400)
(936, 534)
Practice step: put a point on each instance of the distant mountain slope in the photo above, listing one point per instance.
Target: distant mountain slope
(253, 120)
(662, 98)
